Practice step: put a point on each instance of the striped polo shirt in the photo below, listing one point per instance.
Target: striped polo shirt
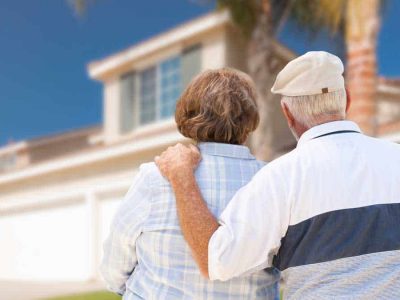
(326, 214)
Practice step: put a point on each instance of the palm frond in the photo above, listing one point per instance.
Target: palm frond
(80, 6)
(243, 12)
(318, 14)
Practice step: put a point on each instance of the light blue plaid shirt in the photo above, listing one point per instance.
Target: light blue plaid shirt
(146, 256)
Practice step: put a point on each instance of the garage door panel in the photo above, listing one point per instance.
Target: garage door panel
(48, 244)
(107, 210)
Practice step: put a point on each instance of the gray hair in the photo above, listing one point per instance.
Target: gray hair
(312, 110)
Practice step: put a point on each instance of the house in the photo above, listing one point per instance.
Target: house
(58, 193)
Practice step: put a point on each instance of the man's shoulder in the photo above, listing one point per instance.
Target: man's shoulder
(384, 144)
(278, 169)
(283, 161)
(383, 150)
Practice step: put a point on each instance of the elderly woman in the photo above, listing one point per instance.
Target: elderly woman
(146, 256)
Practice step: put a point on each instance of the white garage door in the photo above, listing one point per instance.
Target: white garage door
(48, 244)
(107, 210)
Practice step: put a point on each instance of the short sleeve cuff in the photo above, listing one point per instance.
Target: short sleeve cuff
(215, 271)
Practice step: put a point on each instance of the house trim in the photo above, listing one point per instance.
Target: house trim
(92, 157)
(198, 26)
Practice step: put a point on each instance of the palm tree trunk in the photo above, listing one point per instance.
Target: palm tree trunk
(362, 28)
(261, 69)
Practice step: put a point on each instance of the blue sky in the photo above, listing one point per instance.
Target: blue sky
(45, 49)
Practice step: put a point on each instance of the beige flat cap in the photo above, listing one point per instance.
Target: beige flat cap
(315, 72)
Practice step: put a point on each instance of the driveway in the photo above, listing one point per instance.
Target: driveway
(22, 290)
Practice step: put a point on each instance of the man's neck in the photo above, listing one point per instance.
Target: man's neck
(301, 129)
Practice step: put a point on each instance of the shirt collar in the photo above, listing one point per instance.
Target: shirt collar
(327, 128)
(227, 150)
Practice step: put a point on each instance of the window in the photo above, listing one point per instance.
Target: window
(170, 72)
(150, 95)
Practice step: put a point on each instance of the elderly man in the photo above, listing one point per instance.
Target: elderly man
(326, 214)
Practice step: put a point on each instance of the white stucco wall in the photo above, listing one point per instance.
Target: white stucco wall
(214, 50)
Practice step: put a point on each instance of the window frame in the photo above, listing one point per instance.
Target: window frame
(143, 66)
(158, 86)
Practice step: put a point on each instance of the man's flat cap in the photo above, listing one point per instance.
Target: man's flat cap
(313, 73)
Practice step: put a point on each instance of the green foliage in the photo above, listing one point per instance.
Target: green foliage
(318, 14)
(310, 14)
(244, 13)
(80, 6)
(90, 296)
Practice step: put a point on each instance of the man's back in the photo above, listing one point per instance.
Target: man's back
(327, 214)
(343, 237)
(166, 269)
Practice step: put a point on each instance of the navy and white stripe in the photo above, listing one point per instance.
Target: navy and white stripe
(340, 234)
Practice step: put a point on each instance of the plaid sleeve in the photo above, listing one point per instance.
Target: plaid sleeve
(119, 258)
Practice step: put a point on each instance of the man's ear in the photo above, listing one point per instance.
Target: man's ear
(287, 113)
(348, 100)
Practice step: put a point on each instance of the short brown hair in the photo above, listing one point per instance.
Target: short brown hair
(218, 106)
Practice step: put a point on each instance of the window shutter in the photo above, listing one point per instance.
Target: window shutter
(127, 105)
(191, 63)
